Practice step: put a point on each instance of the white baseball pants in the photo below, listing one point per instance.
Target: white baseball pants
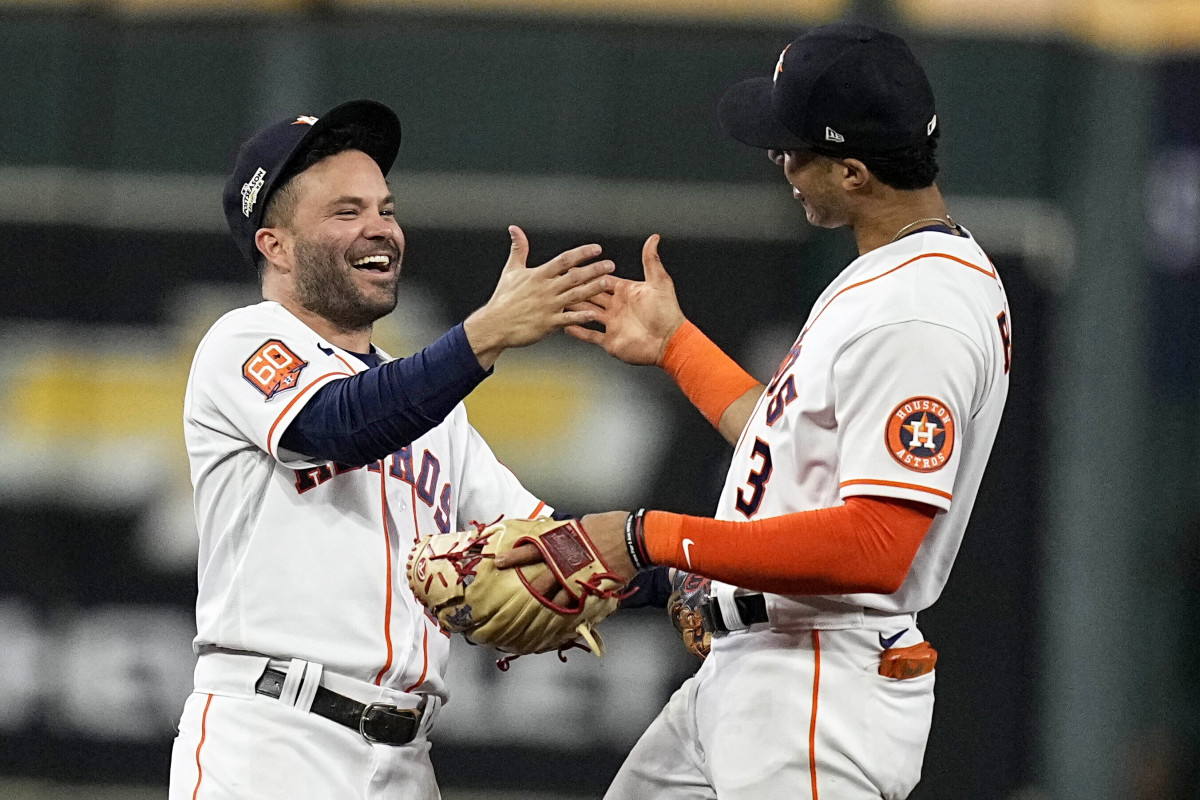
(774, 715)
(234, 744)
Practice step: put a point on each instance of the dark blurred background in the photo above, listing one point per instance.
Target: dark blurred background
(1071, 149)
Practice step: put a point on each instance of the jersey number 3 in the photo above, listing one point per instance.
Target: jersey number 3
(757, 480)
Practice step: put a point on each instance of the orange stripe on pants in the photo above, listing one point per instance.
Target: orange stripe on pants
(203, 727)
(812, 726)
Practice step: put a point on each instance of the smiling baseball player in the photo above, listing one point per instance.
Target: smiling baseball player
(317, 461)
(855, 467)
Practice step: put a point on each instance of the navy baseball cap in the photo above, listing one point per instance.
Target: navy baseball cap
(843, 90)
(265, 161)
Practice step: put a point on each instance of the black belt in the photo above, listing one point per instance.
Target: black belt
(751, 609)
(376, 722)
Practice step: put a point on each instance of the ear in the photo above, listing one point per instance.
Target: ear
(854, 174)
(275, 245)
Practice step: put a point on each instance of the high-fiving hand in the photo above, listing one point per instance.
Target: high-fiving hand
(639, 317)
(530, 303)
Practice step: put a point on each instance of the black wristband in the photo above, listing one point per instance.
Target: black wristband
(635, 540)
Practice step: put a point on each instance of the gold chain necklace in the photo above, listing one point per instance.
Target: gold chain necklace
(949, 223)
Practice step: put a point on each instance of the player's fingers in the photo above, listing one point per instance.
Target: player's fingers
(521, 556)
(600, 303)
(585, 292)
(519, 252)
(581, 275)
(568, 319)
(598, 314)
(585, 334)
(652, 265)
(605, 298)
(545, 585)
(571, 259)
(590, 304)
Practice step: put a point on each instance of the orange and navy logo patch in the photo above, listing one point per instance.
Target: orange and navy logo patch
(920, 434)
(273, 368)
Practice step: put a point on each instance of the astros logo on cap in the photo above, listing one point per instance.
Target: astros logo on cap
(304, 119)
(920, 434)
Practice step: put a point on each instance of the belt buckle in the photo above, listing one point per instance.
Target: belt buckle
(386, 710)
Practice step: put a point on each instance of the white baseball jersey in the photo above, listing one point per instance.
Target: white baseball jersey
(306, 559)
(894, 388)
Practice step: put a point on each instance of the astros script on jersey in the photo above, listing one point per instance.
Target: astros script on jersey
(305, 559)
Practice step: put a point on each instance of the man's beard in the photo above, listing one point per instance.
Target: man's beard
(325, 286)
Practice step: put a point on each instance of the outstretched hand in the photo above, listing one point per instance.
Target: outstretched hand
(530, 303)
(639, 317)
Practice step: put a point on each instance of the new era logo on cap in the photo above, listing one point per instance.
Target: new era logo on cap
(833, 136)
(250, 191)
(932, 124)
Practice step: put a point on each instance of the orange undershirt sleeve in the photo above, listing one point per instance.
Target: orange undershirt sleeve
(710, 379)
(866, 545)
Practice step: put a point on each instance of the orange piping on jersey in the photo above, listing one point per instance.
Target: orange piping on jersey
(353, 371)
(812, 725)
(288, 407)
(425, 657)
(387, 606)
(416, 525)
(898, 485)
(866, 545)
(203, 732)
(889, 272)
(538, 510)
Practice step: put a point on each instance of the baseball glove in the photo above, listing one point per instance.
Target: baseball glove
(454, 576)
(683, 609)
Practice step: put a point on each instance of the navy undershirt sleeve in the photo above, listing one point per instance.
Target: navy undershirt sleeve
(653, 589)
(359, 420)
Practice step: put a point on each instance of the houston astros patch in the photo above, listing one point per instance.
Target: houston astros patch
(273, 368)
(920, 434)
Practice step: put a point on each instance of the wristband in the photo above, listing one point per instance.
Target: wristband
(635, 540)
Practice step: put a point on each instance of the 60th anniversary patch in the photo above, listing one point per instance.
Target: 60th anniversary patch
(920, 434)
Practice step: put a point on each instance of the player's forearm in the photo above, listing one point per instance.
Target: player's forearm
(721, 390)
(866, 545)
(734, 420)
(362, 419)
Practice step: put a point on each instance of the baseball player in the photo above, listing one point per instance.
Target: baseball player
(855, 467)
(317, 461)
